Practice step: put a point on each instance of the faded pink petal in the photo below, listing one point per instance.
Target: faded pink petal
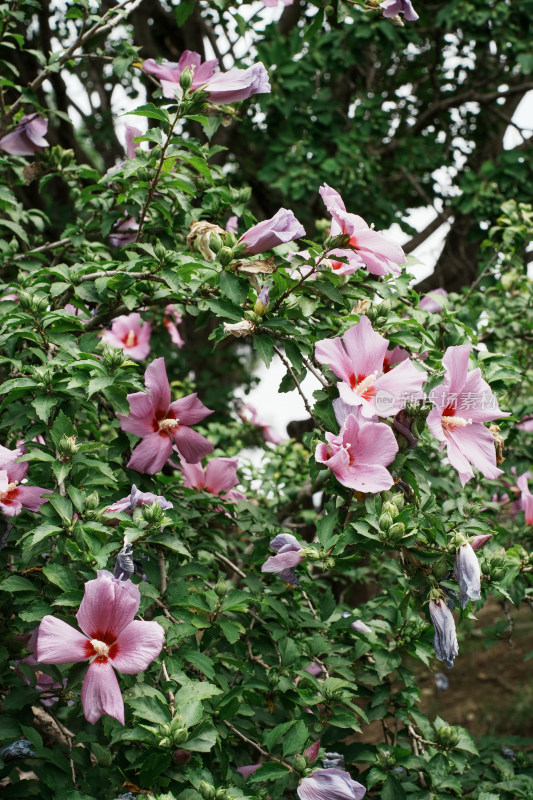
(27, 138)
(108, 606)
(250, 768)
(431, 302)
(526, 499)
(30, 497)
(59, 643)
(191, 445)
(238, 84)
(311, 752)
(100, 693)
(124, 232)
(139, 643)
(283, 561)
(131, 134)
(194, 475)
(330, 784)
(151, 454)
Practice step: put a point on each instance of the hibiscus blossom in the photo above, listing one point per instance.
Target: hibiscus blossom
(14, 496)
(359, 454)
(161, 423)
(290, 553)
(218, 477)
(361, 360)
(526, 499)
(368, 248)
(111, 638)
(330, 784)
(462, 404)
(131, 334)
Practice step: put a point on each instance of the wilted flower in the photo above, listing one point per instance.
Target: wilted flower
(14, 496)
(360, 626)
(282, 227)
(22, 748)
(467, 573)
(368, 248)
(330, 784)
(391, 8)
(124, 232)
(462, 404)
(135, 499)
(129, 333)
(358, 359)
(332, 760)
(199, 236)
(479, 541)
(526, 497)
(124, 565)
(290, 553)
(239, 329)
(111, 638)
(359, 454)
(161, 423)
(445, 639)
(27, 138)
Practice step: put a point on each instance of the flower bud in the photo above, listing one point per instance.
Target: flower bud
(215, 242)
(207, 790)
(186, 79)
(239, 329)
(153, 513)
(180, 736)
(385, 521)
(448, 736)
(160, 251)
(221, 589)
(399, 501)
(181, 756)
(339, 241)
(263, 301)
(164, 742)
(225, 255)
(396, 532)
(91, 501)
(112, 358)
(221, 794)
(25, 300)
(299, 763)
(273, 679)
(67, 446)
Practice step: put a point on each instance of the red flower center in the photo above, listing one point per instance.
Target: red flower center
(131, 339)
(363, 385)
(10, 493)
(101, 647)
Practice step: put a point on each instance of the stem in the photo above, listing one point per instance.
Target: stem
(162, 570)
(153, 184)
(258, 747)
(42, 249)
(298, 386)
(230, 564)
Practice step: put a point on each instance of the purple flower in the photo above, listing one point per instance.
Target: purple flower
(131, 134)
(124, 232)
(360, 626)
(330, 784)
(445, 639)
(391, 8)
(169, 73)
(479, 541)
(432, 303)
(238, 84)
(290, 553)
(218, 477)
(27, 138)
(282, 227)
(467, 573)
(135, 499)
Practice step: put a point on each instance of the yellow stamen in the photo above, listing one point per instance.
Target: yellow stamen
(131, 339)
(365, 384)
(455, 422)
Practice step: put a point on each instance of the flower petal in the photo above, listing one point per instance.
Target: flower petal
(100, 693)
(156, 382)
(30, 497)
(221, 474)
(151, 454)
(191, 445)
(108, 606)
(59, 643)
(138, 645)
(189, 410)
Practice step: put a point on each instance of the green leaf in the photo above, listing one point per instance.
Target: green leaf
(15, 583)
(295, 739)
(97, 384)
(196, 690)
(233, 287)
(272, 737)
(151, 709)
(201, 661)
(271, 771)
(393, 789)
(43, 405)
(62, 427)
(204, 740)
(264, 345)
(225, 308)
(151, 111)
(61, 576)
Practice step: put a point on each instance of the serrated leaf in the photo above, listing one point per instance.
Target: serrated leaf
(271, 771)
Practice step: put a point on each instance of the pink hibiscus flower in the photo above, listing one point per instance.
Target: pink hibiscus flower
(462, 404)
(13, 496)
(526, 499)
(218, 477)
(161, 423)
(131, 334)
(170, 72)
(368, 248)
(111, 638)
(290, 553)
(27, 138)
(281, 228)
(44, 683)
(361, 360)
(359, 454)
(171, 320)
(330, 784)
(249, 413)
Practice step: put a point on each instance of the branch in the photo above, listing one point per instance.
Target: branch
(298, 386)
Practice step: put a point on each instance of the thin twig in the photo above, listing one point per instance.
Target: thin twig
(297, 383)
(42, 249)
(309, 603)
(171, 696)
(258, 747)
(162, 570)
(230, 564)
(318, 375)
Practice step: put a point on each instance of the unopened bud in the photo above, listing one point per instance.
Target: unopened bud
(391, 508)
(273, 679)
(153, 513)
(206, 790)
(181, 756)
(164, 742)
(112, 358)
(180, 736)
(399, 501)
(448, 736)
(263, 301)
(215, 242)
(384, 308)
(91, 501)
(221, 794)
(339, 241)
(160, 251)
(225, 256)
(221, 588)
(299, 763)
(385, 521)
(67, 445)
(395, 533)
(186, 79)
(25, 300)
